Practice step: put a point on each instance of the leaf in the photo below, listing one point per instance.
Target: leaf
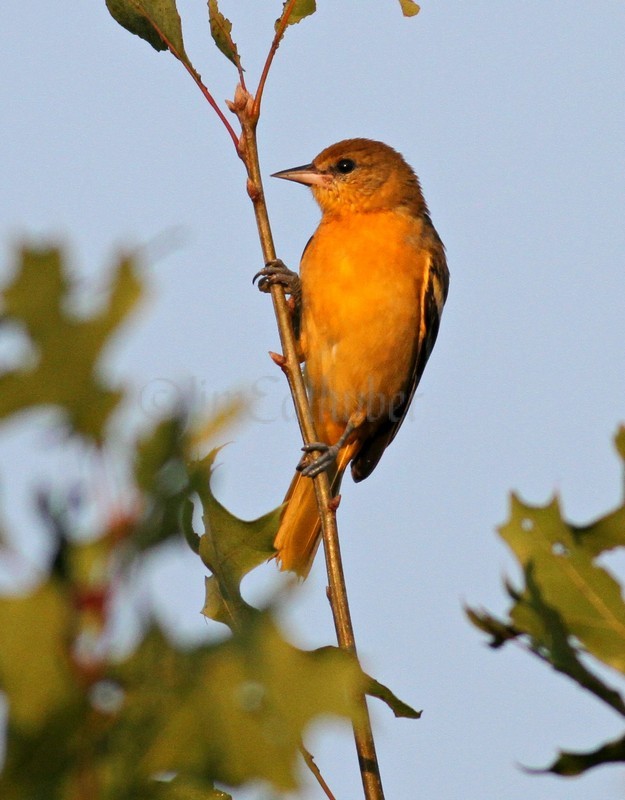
(603, 534)
(221, 30)
(587, 597)
(552, 639)
(234, 711)
(301, 9)
(397, 706)
(163, 479)
(409, 8)
(619, 442)
(35, 671)
(185, 789)
(166, 477)
(64, 372)
(500, 632)
(571, 764)
(230, 548)
(156, 21)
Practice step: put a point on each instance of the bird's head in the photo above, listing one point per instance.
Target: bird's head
(359, 175)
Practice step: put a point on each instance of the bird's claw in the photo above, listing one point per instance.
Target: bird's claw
(327, 456)
(276, 273)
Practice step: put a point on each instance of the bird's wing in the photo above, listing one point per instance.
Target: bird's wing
(433, 297)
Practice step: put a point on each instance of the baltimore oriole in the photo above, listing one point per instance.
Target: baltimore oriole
(368, 302)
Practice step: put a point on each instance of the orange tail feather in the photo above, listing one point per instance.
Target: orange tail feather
(299, 533)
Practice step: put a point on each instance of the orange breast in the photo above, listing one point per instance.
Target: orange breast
(362, 283)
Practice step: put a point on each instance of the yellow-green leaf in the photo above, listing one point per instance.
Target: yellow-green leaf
(244, 710)
(398, 707)
(587, 596)
(409, 8)
(619, 441)
(221, 31)
(35, 668)
(64, 371)
(230, 547)
(301, 9)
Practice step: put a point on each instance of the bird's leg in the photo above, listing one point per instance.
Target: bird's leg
(328, 453)
(277, 273)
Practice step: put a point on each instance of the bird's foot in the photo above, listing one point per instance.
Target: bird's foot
(276, 273)
(327, 456)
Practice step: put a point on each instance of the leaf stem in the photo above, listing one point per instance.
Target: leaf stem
(197, 78)
(310, 763)
(281, 27)
(246, 109)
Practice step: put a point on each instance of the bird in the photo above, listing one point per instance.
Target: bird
(367, 304)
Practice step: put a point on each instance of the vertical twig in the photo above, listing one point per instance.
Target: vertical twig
(245, 108)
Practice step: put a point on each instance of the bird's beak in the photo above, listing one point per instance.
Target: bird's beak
(309, 175)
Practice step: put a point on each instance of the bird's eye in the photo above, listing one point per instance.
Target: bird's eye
(345, 166)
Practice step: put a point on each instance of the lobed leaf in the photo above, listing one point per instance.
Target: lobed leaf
(587, 596)
(234, 711)
(64, 371)
(35, 666)
(230, 547)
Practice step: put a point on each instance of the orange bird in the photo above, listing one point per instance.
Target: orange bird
(368, 302)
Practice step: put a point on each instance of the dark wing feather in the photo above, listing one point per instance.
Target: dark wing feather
(432, 301)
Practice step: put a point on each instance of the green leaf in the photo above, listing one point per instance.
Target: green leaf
(398, 707)
(230, 548)
(619, 441)
(603, 534)
(64, 371)
(183, 788)
(221, 31)
(552, 639)
(301, 9)
(164, 480)
(156, 21)
(500, 632)
(35, 667)
(571, 764)
(409, 8)
(230, 712)
(587, 597)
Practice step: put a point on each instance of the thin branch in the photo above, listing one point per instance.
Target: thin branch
(204, 89)
(282, 24)
(245, 107)
(198, 80)
(310, 763)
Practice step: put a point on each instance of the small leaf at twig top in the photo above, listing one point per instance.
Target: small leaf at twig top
(301, 9)
(409, 8)
(156, 21)
(221, 30)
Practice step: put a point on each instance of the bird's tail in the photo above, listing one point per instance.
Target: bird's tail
(299, 533)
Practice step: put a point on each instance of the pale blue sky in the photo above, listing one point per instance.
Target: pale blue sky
(513, 115)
